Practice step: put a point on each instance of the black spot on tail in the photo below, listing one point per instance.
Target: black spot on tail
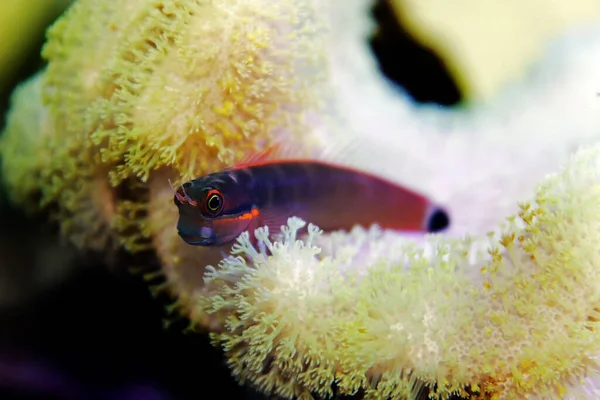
(438, 221)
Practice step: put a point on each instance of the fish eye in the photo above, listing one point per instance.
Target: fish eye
(214, 202)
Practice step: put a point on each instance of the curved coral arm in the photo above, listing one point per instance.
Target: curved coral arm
(510, 314)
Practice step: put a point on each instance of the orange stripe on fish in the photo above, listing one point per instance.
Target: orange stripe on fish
(265, 189)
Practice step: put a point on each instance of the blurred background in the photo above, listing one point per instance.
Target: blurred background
(71, 328)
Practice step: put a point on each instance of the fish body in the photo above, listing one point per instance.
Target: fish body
(215, 209)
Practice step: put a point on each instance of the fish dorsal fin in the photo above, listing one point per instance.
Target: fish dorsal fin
(258, 156)
(338, 151)
(277, 151)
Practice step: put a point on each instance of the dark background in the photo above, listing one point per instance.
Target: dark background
(95, 334)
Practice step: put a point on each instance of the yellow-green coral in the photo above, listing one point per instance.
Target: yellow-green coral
(185, 84)
(510, 315)
(132, 87)
(139, 92)
(27, 127)
(39, 165)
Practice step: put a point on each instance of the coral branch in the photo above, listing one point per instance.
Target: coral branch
(510, 314)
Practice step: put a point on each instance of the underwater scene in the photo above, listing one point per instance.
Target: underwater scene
(299, 199)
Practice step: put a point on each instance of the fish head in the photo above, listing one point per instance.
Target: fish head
(213, 210)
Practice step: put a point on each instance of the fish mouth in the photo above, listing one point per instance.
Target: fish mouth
(196, 240)
(203, 234)
(199, 240)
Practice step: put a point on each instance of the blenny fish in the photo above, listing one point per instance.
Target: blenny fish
(264, 190)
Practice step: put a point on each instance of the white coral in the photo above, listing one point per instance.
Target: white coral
(513, 313)
(482, 158)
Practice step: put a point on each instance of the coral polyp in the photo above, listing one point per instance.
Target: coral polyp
(509, 315)
(186, 86)
(181, 83)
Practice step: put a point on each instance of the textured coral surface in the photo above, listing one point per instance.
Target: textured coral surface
(152, 91)
(513, 314)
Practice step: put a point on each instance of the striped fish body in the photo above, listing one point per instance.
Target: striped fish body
(267, 193)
